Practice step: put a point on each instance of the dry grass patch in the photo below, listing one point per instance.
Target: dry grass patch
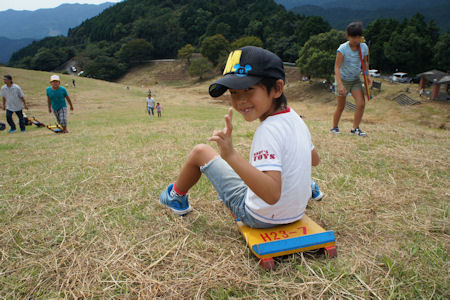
(80, 218)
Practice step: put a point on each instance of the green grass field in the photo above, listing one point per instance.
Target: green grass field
(80, 218)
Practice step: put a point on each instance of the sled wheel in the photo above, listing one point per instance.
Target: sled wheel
(331, 252)
(267, 263)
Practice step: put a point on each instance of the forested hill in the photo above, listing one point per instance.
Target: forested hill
(138, 30)
(363, 4)
(341, 12)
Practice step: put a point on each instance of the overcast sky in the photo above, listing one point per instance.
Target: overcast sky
(36, 4)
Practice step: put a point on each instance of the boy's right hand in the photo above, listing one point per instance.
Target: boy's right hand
(223, 137)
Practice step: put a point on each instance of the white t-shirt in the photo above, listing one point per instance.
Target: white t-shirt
(282, 142)
(150, 102)
(13, 96)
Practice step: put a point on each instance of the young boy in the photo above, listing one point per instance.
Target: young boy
(13, 102)
(272, 187)
(56, 100)
(347, 71)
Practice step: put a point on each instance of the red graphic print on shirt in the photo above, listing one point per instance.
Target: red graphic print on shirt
(263, 154)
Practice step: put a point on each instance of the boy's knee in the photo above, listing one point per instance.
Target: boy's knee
(203, 153)
(201, 149)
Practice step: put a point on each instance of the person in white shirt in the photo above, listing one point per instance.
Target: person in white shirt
(274, 186)
(13, 102)
(150, 104)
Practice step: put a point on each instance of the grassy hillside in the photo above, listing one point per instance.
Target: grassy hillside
(80, 218)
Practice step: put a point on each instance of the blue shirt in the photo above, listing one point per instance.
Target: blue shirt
(57, 97)
(351, 66)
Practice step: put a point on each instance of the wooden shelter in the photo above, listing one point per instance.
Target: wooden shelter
(437, 78)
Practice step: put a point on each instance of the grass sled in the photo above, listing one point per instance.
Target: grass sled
(56, 128)
(300, 236)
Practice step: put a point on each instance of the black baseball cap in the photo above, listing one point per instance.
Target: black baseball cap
(246, 67)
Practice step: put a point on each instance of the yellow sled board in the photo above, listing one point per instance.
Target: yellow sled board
(300, 236)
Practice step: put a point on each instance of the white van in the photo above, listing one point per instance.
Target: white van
(400, 77)
(374, 73)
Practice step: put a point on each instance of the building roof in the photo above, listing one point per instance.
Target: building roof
(445, 79)
(433, 75)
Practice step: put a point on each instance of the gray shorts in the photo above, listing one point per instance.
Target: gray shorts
(232, 191)
(349, 86)
(61, 116)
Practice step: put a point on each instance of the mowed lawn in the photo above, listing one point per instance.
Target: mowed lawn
(80, 218)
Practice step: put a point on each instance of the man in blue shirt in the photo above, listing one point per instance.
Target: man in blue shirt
(57, 96)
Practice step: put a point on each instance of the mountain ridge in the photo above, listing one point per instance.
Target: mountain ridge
(18, 28)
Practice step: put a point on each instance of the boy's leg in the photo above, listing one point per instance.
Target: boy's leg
(339, 109)
(9, 119)
(360, 104)
(21, 120)
(175, 195)
(190, 172)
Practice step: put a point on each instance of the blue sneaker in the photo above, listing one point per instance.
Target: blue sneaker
(316, 193)
(11, 130)
(179, 205)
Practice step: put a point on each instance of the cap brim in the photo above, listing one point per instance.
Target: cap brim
(232, 81)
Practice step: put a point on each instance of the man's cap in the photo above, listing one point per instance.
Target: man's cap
(246, 67)
(54, 78)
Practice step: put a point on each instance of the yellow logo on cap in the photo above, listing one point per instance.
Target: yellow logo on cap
(233, 60)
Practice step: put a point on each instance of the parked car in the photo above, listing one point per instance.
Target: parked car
(374, 73)
(400, 77)
(73, 69)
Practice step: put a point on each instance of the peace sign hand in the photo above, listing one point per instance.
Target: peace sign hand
(223, 137)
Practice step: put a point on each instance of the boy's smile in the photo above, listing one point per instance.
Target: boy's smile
(253, 103)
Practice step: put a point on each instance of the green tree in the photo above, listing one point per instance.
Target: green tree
(441, 58)
(317, 56)
(215, 47)
(186, 52)
(410, 49)
(376, 34)
(135, 51)
(199, 66)
(45, 60)
(106, 68)
(246, 41)
(310, 26)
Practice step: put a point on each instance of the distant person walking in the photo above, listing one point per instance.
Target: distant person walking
(56, 99)
(150, 104)
(73, 82)
(13, 102)
(158, 109)
(347, 70)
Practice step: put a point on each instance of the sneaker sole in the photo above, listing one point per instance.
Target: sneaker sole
(319, 198)
(178, 212)
(181, 212)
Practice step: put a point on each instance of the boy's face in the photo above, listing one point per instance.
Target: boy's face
(7, 81)
(254, 102)
(354, 40)
(55, 84)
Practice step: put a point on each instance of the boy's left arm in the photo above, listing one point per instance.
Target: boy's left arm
(267, 184)
(70, 102)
